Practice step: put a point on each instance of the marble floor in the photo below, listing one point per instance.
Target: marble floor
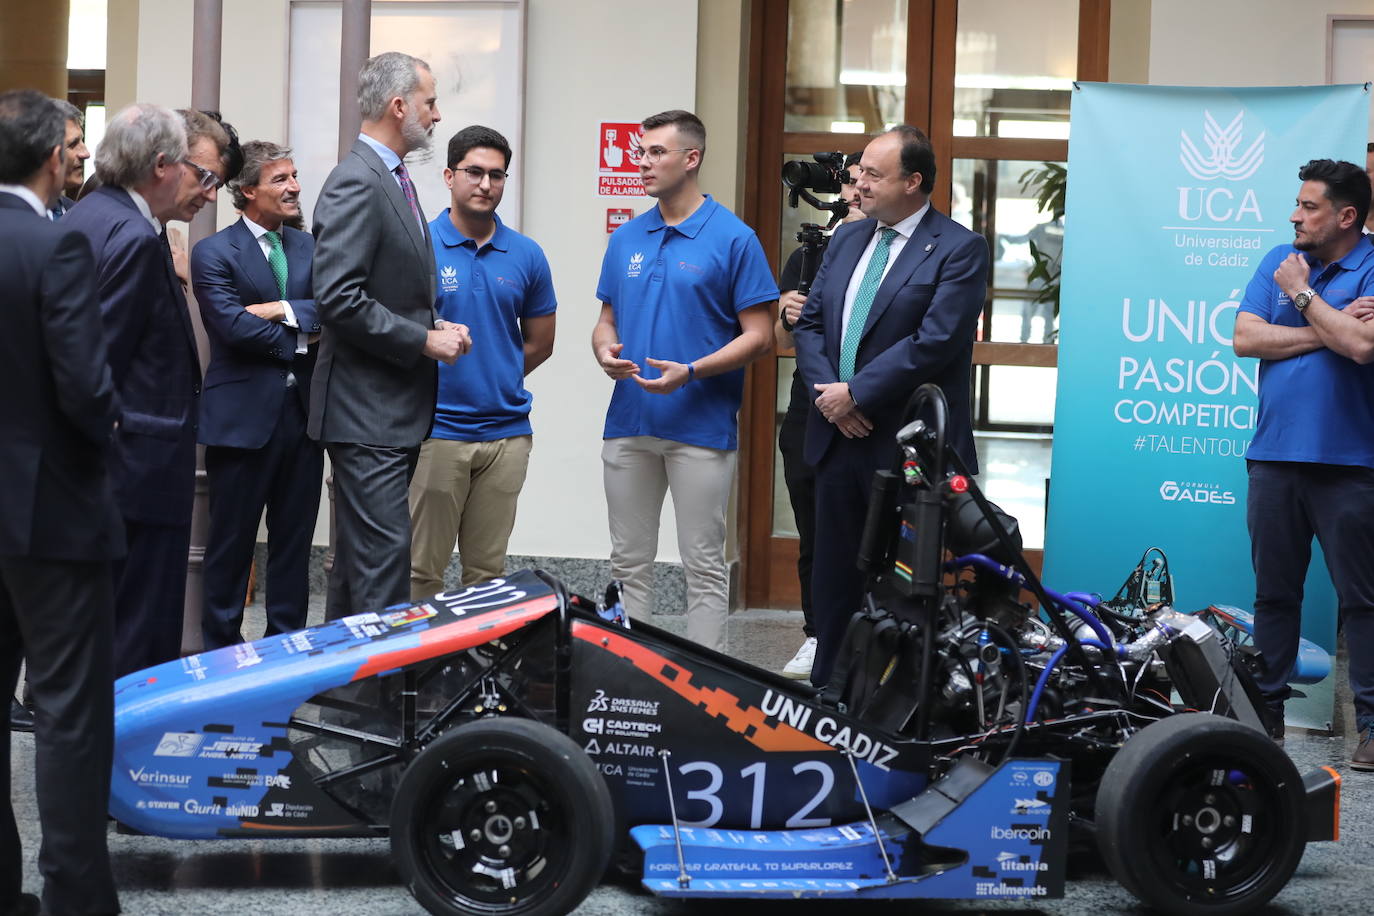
(355, 877)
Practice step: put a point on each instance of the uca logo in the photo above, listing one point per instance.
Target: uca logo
(1222, 159)
(448, 278)
(636, 262)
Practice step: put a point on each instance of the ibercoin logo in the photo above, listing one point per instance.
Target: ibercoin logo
(1222, 158)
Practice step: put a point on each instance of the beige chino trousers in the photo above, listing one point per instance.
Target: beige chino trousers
(464, 493)
(638, 471)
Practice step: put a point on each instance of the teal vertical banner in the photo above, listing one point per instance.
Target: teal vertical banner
(1175, 195)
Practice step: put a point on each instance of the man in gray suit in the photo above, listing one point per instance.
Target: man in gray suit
(373, 391)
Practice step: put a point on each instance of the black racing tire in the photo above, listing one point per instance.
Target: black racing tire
(1199, 815)
(501, 817)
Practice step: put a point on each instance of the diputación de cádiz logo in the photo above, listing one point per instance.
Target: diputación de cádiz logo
(1221, 159)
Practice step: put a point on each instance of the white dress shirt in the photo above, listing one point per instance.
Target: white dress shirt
(146, 210)
(904, 229)
(259, 233)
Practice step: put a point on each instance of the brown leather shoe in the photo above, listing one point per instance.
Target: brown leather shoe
(1363, 758)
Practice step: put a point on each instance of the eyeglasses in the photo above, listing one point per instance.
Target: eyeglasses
(475, 175)
(209, 181)
(655, 153)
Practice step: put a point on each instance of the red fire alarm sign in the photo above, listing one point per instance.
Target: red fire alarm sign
(618, 160)
(615, 218)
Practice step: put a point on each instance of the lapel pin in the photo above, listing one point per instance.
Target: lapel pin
(929, 245)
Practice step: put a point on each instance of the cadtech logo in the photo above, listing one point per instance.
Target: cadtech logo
(1173, 492)
(636, 262)
(1222, 158)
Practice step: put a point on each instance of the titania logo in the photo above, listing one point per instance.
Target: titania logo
(636, 262)
(448, 278)
(1222, 158)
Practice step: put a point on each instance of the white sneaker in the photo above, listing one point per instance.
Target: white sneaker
(799, 668)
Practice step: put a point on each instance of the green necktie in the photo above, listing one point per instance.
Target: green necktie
(276, 259)
(863, 303)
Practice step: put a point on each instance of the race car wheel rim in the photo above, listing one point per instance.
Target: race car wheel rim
(1216, 831)
(494, 837)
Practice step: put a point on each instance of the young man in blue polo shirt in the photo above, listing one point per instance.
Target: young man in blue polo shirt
(1311, 461)
(686, 302)
(496, 281)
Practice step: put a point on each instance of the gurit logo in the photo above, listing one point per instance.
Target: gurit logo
(1222, 159)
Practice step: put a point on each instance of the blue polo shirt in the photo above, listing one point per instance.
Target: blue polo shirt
(482, 396)
(1317, 407)
(676, 292)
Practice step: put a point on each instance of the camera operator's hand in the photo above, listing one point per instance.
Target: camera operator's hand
(674, 376)
(834, 401)
(790, 305)
(613, 365)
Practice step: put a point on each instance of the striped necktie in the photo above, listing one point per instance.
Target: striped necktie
(863, 303)
(408, 188)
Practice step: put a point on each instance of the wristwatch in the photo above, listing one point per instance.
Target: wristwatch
(1303, 299)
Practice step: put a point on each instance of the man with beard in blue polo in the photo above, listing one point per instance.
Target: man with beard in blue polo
(686, 302)
(496, 282)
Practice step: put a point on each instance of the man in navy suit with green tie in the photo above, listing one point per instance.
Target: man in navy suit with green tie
(894, 305)
(253, 283)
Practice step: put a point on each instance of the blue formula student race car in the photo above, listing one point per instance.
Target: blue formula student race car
(514, 745)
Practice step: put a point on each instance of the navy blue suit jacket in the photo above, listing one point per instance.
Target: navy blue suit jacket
(250, 356)
(153, 358)
(920, 329)
(60, 410)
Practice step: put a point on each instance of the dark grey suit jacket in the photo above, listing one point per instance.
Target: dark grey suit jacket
(374, 289)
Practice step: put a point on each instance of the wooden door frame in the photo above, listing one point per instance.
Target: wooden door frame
(768, 564)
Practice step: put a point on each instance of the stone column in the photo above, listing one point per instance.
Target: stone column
(207, 32)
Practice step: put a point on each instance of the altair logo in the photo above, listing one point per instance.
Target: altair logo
(636, 262)
(1222, 159)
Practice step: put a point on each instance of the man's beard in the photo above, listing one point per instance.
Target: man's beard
(415, 136)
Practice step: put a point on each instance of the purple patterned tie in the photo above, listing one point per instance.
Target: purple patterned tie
(408, 188)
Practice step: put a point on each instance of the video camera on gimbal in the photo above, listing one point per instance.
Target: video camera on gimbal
(824, 176)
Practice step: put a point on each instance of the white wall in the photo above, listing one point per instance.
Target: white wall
(615, 60)
(1243, 42)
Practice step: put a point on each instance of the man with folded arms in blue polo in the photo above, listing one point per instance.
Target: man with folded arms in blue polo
(686, 303)
(496, 281)
(1311, 461)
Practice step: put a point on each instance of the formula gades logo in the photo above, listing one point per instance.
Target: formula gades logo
(1172, 491)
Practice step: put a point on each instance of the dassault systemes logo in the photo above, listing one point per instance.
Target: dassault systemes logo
(1221, 159)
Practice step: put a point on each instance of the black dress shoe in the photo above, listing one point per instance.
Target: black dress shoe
(21, 720)
(24, 904)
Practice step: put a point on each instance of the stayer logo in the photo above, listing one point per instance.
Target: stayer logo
(636, 262)
(1173, 492)
(1222, 158)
